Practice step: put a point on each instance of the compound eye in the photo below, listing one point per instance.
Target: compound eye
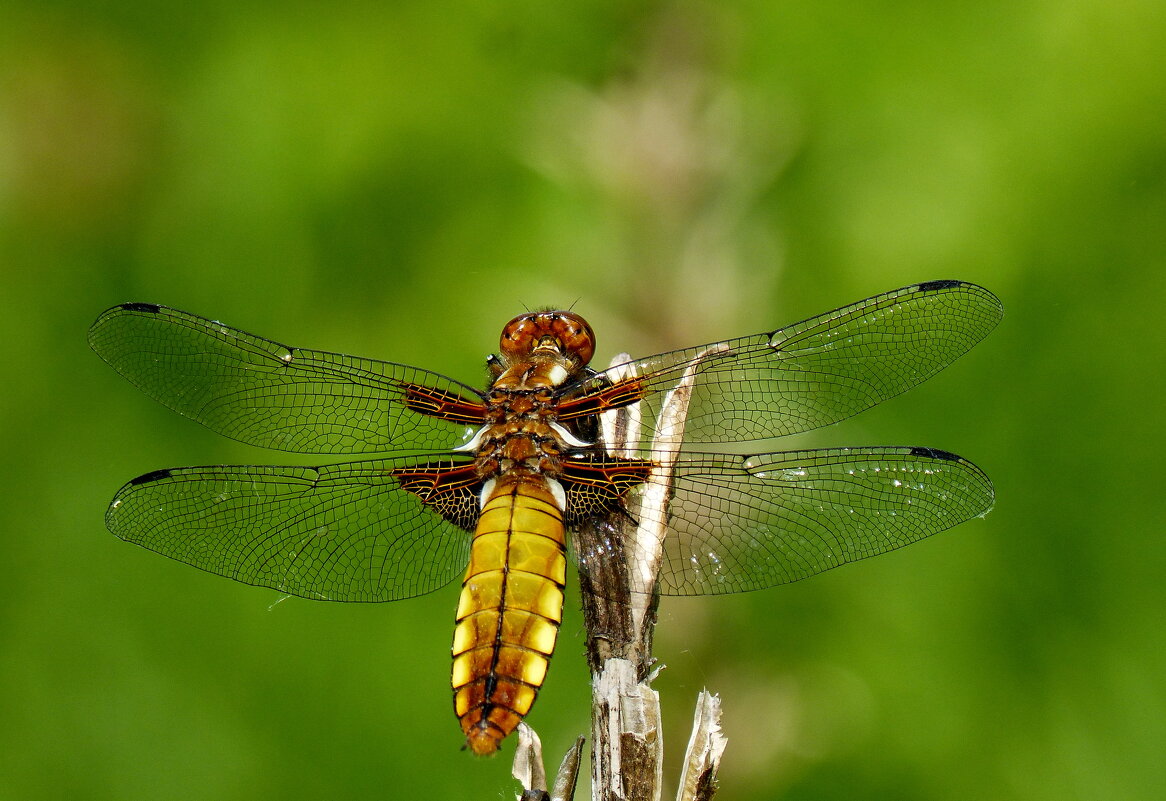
(565, 332)
(519, 336)
(576, 336)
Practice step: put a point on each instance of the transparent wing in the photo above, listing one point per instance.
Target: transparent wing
(263, 393)
(345, 532)
(818, 371)
(744, 523)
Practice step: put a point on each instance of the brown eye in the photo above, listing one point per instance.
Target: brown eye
(575, 334)
(570, 332)
(519, 335)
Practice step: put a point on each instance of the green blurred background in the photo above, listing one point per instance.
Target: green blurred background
(397, 180)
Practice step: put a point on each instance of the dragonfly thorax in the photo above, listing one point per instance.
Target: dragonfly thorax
(524, 445)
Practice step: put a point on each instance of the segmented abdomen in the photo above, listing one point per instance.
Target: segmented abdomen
(510, 608)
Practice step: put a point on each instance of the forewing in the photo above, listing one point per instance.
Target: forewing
(268, 394)
(815, 372)
(344, 532)
(744, 523)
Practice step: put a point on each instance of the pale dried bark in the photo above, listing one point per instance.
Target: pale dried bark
(528, 768)
(705, 747)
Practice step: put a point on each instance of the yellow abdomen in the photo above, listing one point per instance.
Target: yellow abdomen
(510, 608)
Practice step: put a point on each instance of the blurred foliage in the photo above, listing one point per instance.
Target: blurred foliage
(396, 180)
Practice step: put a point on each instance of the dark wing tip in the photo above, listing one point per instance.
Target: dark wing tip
(936, 453)
(148, 308)
(935, 286)
(96, 331)
(156, 475)
(987, 305)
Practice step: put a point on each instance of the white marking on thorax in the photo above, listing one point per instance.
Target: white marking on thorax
(487, 491)
(557, 374)
(566, 436)
(474, 443)
(558, 493)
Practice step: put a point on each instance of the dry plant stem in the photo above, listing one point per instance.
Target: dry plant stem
(705, 746)
(619, 558)
(528, 765)
(626, 746)
(564, 789)
(528, 768)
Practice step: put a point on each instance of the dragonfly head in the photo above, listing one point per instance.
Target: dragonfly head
(550, 333)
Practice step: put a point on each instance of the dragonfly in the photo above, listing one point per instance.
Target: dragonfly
(492, 485)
